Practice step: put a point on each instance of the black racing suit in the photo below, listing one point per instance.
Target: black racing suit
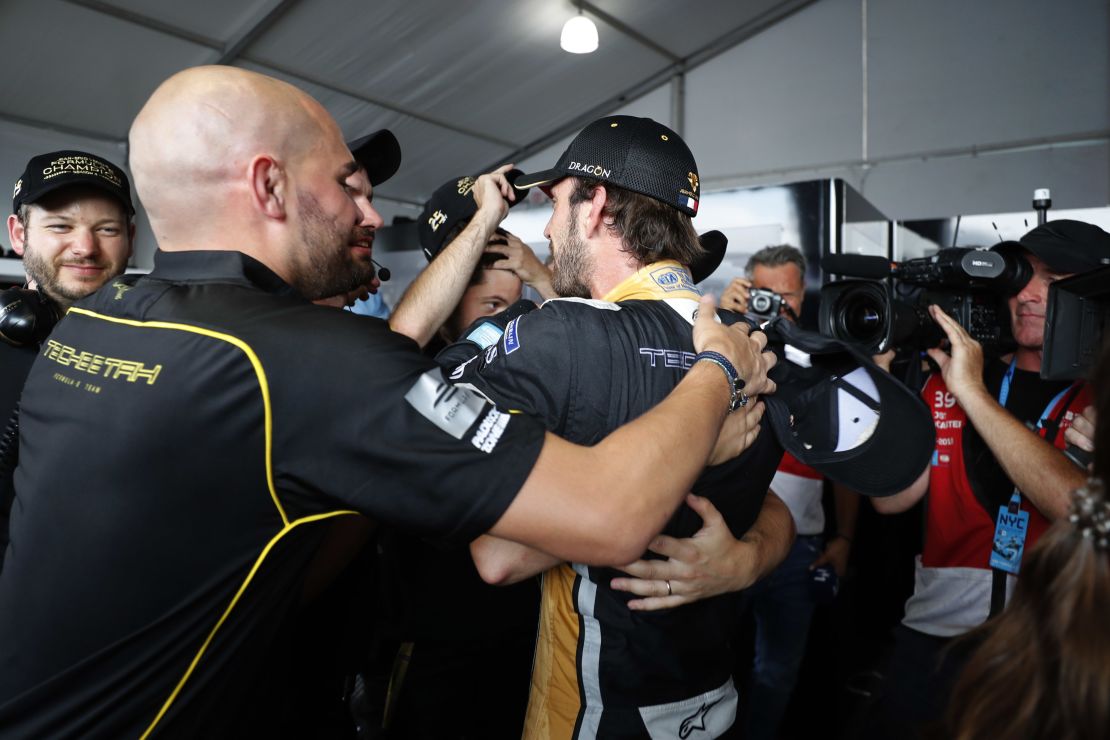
(601, 670)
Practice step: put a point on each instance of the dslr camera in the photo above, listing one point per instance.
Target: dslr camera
(764, 304)
(890, 310)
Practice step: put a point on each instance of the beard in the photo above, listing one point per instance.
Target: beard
(324, 264)
(45, 275)
(571, 264)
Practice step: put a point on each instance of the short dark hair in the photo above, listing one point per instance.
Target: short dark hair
(777, 256)
(487, 258)
(649, 230)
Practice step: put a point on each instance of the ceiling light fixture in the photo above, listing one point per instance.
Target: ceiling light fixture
(579, 35)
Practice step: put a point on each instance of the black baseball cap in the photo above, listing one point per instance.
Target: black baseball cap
(838, 412)
(1065, 245)
(636, 154)
(713, 244)
(49, 172)
(450, 205)
(379, 154)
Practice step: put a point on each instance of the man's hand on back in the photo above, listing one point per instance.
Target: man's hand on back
(742, 346)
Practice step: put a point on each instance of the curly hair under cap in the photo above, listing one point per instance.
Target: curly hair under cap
(649, 229)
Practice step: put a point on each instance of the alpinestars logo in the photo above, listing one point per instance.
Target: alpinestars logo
(695, 721)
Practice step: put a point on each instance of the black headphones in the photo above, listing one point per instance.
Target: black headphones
(26, 316)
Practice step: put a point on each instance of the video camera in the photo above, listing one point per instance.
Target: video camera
(890, 309)
(1077, 316)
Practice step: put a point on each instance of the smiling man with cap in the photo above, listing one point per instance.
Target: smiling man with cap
(998, 476)
(621, 235)
(72, 224)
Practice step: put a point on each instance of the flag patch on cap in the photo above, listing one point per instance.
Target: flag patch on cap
(688, 202)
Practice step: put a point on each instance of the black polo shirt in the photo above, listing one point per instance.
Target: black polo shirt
(185, 445)
(15, 363)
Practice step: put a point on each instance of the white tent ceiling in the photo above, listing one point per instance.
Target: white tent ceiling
(464, 84)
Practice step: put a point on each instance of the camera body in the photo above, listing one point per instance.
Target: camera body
(970, 285)
(764, 304)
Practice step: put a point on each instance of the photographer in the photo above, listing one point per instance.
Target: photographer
(998, 476)
(770, 271)
(783, 603)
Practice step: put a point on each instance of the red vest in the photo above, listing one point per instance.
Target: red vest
(791, 464)
(958, 530)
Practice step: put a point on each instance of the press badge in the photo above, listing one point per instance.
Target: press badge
(1009, 536)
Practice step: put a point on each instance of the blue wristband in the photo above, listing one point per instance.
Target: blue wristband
(735, 382)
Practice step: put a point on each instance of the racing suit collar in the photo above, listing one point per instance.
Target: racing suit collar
(218, 266)
(657, 281)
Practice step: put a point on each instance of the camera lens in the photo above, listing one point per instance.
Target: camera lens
(760, 304)
(861, 316)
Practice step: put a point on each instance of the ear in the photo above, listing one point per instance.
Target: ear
(130, 239)
(268, 186)
(596, 212)
(17, 234)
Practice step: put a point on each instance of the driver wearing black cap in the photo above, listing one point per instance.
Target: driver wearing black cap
(621, 238)
(997, 478)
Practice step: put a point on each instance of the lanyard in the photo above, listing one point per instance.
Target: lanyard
(1004, 394)
(1012, 524)
(1004, 391)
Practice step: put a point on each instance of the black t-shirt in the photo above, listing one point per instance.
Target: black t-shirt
(186, 444)
(1028, 397)
(15, 363)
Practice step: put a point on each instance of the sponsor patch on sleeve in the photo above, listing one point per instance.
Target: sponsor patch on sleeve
(449, 407)
(485, 334)
(490, 431)
(512, 339)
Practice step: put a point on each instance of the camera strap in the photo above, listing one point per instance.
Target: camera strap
(1012, 524)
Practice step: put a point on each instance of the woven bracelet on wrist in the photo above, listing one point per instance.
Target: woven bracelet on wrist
(735, 382)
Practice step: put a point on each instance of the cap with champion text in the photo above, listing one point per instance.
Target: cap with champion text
(450, 205)
(1065, 245)
(636, 154)
(838, 412)
(379, 154)
(48, 172)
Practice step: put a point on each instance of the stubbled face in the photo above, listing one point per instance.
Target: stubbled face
(495, 291)
(73, 241)
(336, 224)
(1027, 308)
(572, 264)
(786, 280)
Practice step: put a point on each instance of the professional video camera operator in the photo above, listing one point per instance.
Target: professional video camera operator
(998, 475)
